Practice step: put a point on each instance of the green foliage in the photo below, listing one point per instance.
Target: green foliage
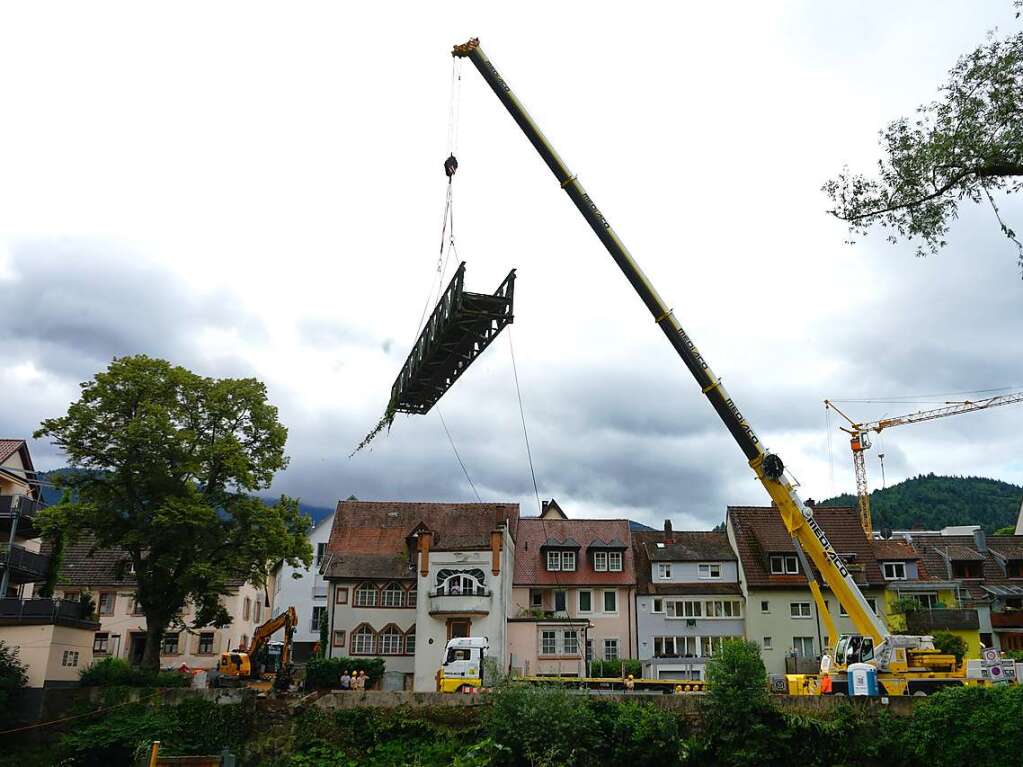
(13, 681)
(965, 146)
(951, 644)
(117, 672)
(325, 673)
(1007, 530)
(1016, 655)
(323, 634)
(737, 707)
(612, 669)
(56, 557)
(543, 725)
(933, 502)
(904, 605)
(166, 465)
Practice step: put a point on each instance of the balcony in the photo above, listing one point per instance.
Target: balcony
(27, 510)
(476, 602)
(925, 622)
(14, 612)
(1010, 619)
(25, 566)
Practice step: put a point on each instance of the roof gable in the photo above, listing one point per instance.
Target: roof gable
(535, 532)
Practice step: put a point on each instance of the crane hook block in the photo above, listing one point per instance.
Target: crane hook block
(450, 165)
(773, 466)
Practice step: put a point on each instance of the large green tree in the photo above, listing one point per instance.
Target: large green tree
(173, 462)
(966, 146)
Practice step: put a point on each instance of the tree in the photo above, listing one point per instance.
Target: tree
(965, 146)
(13, 681)
(737, 707)
(172, 461)
(1007, 530)
(950, 644)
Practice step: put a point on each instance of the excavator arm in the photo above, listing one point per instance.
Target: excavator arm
(768, 467)
(286, 620)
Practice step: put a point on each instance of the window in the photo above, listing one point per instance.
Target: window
(724, 608)
(600, 561)
(585, 601)
(206, 643)
(589, 650)
(870, 601)
(258, 612)
(962, 569)
(363, 640)
(683, 608)
(610, 649)
(560, 599)
(765, 606)
(894, 571)
(106, 602)
(571, 643)
(244, 643)
(70, 658)
(321, 550)
(170, 644)
(658, 606)
(394, 594)
(136, 607)
(676, 647)
(711, 571)
(568, 561)
(766, 643)
(246, 609)
(339, 638)
(610, 601)
(72, 596)
(341, 595)
(786, 564)
(614, 561)
(711, 646)
(803, 646)
(553, 560)
(459, 627)
(412, 597)
(536, 599)
(319, 613)
(100, 643)
(366, 595)
(461, 584)
(548, 643)
(410, 641)
(799, 609)
(928, 600)
(391, 640)
(664, 571)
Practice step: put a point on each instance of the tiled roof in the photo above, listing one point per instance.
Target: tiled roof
(760, 532)
(370, 539)
(937, 551)
(9, 447)
(894, 551)
(530, 569)
(1010, 551)
(693, 546)
(691, 589)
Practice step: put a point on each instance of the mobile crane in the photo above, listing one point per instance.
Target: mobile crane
(905, 664)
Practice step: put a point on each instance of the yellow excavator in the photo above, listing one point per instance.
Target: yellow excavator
(238, 668)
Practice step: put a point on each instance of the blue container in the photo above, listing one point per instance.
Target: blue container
(862, 680)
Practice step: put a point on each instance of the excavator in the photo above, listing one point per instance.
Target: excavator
(241, 667)
(902, 664)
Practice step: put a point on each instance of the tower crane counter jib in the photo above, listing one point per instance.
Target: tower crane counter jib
(873, 638)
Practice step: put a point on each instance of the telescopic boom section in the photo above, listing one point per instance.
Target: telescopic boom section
(768, 467)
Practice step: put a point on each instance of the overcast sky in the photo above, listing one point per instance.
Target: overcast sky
(256, 190)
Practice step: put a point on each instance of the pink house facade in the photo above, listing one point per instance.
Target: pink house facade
(573, 594)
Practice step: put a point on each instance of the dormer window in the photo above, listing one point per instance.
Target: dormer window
(664, 571)
(710, 571)
(894, 571)
(614, 561)
(967, 569)
(600, 561)
(568, 561)
(784, 564)
(554, 561)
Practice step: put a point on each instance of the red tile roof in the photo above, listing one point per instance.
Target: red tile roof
(894, 551)
(370, 539)
(687, 546)
(530, 569)
(760, 532)
(9, 447)
(937, 551)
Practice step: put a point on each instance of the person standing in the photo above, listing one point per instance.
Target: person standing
(346, 680)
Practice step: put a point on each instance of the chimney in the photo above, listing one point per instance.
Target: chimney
(810, 503)
(980, 540)
(543, 508)
(669, 536)
(496, 542)
(425, 538)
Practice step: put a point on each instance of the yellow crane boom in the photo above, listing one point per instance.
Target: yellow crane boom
(859, 437)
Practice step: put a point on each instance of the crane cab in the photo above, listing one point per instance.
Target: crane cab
(463, 664)
(853, 648)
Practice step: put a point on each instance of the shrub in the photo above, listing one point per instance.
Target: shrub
(612, 669)
(13, 681)
(738, 716)
(950, 644)
(117, 672)
(323, 673)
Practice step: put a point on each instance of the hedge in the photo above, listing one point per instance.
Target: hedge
(323, 673)
(117, 672)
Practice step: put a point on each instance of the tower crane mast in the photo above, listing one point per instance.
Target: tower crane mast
(859, 438)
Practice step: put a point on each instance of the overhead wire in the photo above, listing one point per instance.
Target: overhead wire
(457, 456)
(522, 416)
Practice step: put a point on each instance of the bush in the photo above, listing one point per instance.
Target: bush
(325, 673)
(117, 672)
(950, 644)
(543, 726)
(612, 669)
(13, 681)
(738, 716)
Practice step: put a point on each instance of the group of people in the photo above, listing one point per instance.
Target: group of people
(353, 680)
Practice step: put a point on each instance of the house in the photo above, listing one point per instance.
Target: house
(105, 576)
(573, 596)
(53, 637)
(688, 600)
(404, 578)
(989, 574)
(780, 612)
(305, 589)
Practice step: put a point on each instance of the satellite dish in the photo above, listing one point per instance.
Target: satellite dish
(886, 533)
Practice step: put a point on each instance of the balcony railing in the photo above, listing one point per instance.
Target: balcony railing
(25, 566)
(27, 510)
(45, 611)
(1010, 619)
(476, 601)
(941, 619)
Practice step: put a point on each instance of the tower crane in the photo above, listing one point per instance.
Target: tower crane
(859, 438)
